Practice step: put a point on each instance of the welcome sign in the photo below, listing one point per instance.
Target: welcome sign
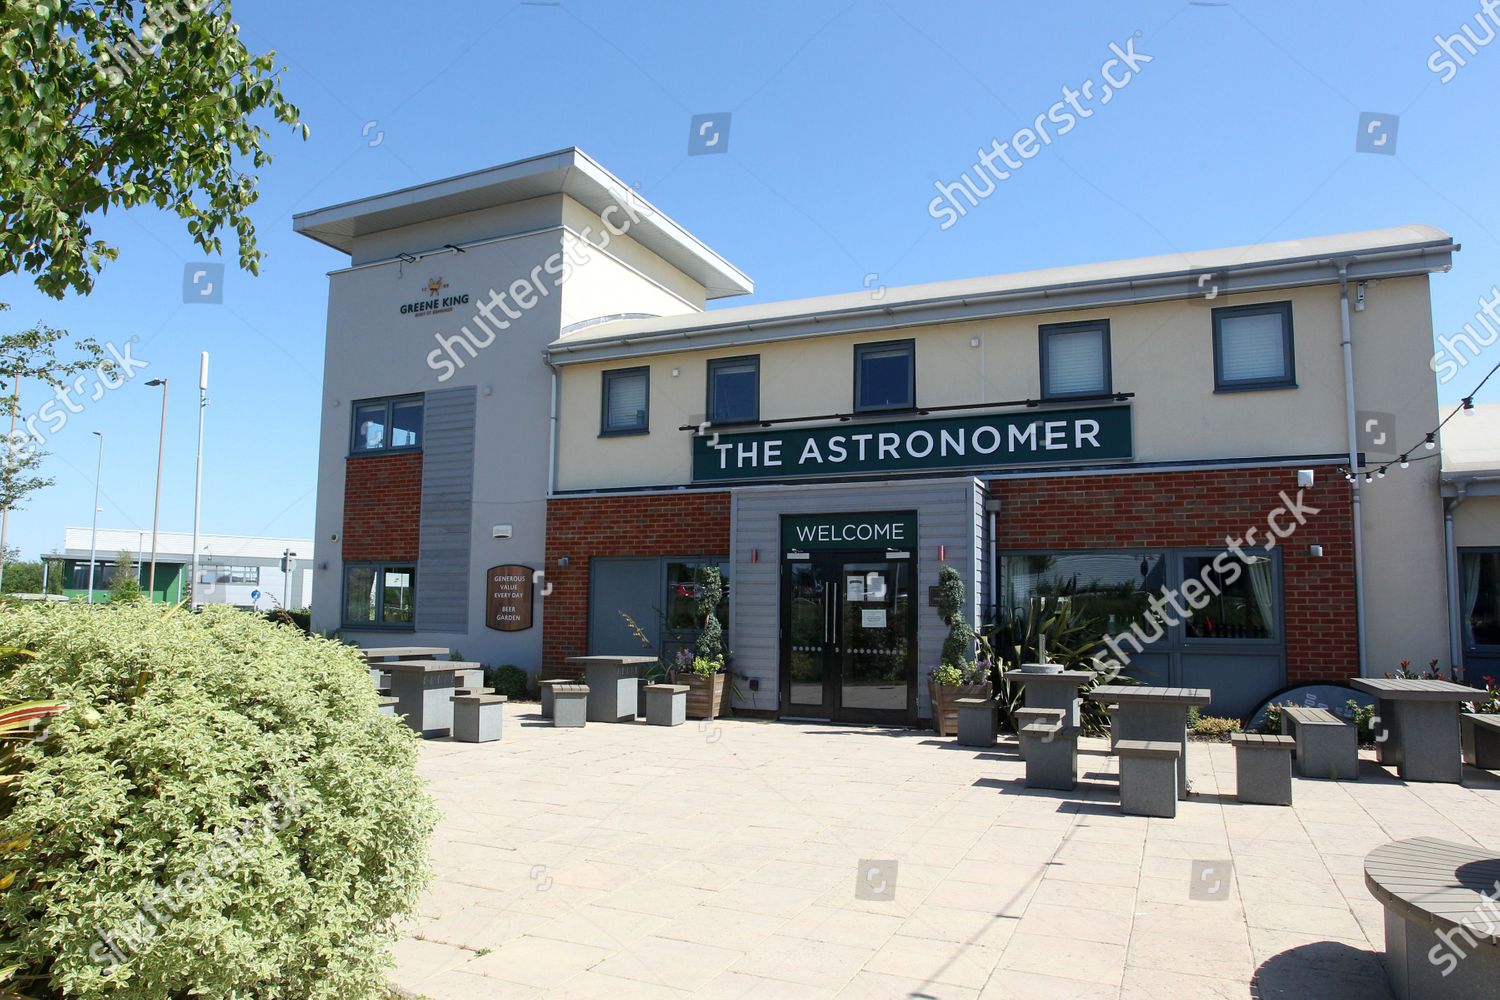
(1033, 437)
(881, 530)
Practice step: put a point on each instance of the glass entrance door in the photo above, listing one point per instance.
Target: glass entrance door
(849, 638)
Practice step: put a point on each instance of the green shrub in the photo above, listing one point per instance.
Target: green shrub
(958, 646)
(509, 680)
(221, 812)
(1213, 728)
(1270, 723)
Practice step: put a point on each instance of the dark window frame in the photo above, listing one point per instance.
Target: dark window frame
(1046, 331)
(381, 567)
(716, 363)
(1482, 648)
(604, 382)
(1288, 347)
(390, 403)
(860, 350)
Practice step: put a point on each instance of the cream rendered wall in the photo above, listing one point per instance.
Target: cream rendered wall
(1476, 523)
(632, 255)
(1163, 352)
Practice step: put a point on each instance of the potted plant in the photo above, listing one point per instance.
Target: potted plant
(703, 670)
(957, 674)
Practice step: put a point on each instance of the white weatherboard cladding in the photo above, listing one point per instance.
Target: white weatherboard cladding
(949, 512)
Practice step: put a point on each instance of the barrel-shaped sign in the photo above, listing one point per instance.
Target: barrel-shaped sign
(508, 594)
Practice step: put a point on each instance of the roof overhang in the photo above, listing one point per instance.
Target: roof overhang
(569, 172)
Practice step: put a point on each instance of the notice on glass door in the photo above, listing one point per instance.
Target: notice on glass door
(854, 587)
(872, 617)
(874, 586)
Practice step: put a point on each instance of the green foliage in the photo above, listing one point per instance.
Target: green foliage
(949, 675)
(1214, 728)
(22, 577)
(1072, 641)
(509, 680)
(223, 801)
(1270, 723)
(710, 644)
(113, 104)
(127, 583)
(1363, 717)
(958, 647)
(1488, 700)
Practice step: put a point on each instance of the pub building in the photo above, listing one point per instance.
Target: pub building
(540, 465)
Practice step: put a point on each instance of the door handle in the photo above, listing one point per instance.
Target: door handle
(833, 604)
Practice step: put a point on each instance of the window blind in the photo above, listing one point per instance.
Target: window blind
(1075, 363)
(1252, 348)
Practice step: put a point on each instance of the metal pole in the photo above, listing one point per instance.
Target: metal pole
(94, 535)
(161, 447)
(198, 484)
(10, 455)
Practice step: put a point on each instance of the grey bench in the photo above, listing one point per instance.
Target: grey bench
(545, 690)
(1049, 747)
(473, 690)
(1148, 777)
(387, 704)
(978, 719)
(570, 705)
(1327, 746)
(1481, 735)
(477, 718)
(1263, 768)
(666, 704)
(1442, 936)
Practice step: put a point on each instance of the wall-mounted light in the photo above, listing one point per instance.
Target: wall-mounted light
(562, 562)
(676, 372)
(755, 555)
(1304, 477)
(1316, 551)
(942, 553)
(973, 341)
(488, 390)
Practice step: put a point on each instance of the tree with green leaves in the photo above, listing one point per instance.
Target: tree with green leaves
(126, 585)
(116, 103)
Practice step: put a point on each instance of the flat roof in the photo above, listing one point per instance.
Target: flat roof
(570, 171)
(1471, 441)
(1398, 250)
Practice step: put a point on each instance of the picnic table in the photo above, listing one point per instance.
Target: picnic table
(423, 690)
(1153, 714)
(614, 686)
(1055, 690)
(1417, 731)
(405, 653)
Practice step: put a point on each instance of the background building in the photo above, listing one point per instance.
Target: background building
(1471, 498)
(231, 568)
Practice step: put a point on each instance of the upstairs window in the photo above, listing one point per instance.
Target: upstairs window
(1075, 359)
(1253, 347)
(885, 376)
(627, 401)
(392, 424)
(734, 390)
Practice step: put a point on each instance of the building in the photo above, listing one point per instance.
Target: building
(1471, 500)
(530, 412)
(241, 570)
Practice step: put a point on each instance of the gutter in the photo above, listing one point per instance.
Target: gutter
(1347, 341)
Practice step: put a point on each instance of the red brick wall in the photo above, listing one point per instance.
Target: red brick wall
(1190, 509)
(382, 507)
(667, 525)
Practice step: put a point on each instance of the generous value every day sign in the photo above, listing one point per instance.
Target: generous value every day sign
(1030, 438)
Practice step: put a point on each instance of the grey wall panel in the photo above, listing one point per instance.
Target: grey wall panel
(447, 510)
(946, 516)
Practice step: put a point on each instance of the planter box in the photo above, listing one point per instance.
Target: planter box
(945, 702)
(706, 697)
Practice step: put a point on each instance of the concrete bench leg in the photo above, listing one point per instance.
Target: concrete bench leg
(569, 711)
(1159, 722)
(1148, 786)
(477, 723)
(1432, 744)
(1481, 746)
(1263, 777)
(1416, 957)
(1051, 763)
(665, 708)
(1328, 752)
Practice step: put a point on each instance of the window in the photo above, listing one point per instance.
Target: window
(1479, 590)
(1253, 347)
(1108, 589)
(627, 401)
(380, 596)
(229, 574)
(885, 376)
(734, 390)
(1237, 603)
(1075, 359)
(388, 424)
(104, 574)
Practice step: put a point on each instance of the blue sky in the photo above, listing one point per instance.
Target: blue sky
(1241, 129)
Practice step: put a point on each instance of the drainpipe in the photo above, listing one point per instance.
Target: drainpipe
(1353, 429)
(1450, 560)
(552, 428)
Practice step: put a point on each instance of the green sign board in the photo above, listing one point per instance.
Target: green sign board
(895, 529)
(1031, 437)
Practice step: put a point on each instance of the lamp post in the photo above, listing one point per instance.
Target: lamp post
(286, 576)
(198, 483)
(161, 447)
(94, 534)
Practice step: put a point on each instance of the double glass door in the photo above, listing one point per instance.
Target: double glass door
(848, 638)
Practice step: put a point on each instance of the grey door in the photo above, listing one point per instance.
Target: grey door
(631, 586)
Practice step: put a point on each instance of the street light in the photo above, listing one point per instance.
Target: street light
(161, 447)
(198, 483)
(286, 576)
(94, 536)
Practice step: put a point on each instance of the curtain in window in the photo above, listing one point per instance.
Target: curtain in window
(1252, 348)
(1075, 363)
(1470, 594)
(1259, 573)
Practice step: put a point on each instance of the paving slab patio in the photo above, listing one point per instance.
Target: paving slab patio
(755, 859)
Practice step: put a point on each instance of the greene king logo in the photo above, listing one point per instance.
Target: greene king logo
(436, 301)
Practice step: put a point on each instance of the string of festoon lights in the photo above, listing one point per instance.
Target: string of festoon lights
(1427, 444)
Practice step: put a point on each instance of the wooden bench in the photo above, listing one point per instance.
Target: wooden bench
(1327, 746)
(1263, 768)
(1481, 734)
(1148, 777)
(1442, 922)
